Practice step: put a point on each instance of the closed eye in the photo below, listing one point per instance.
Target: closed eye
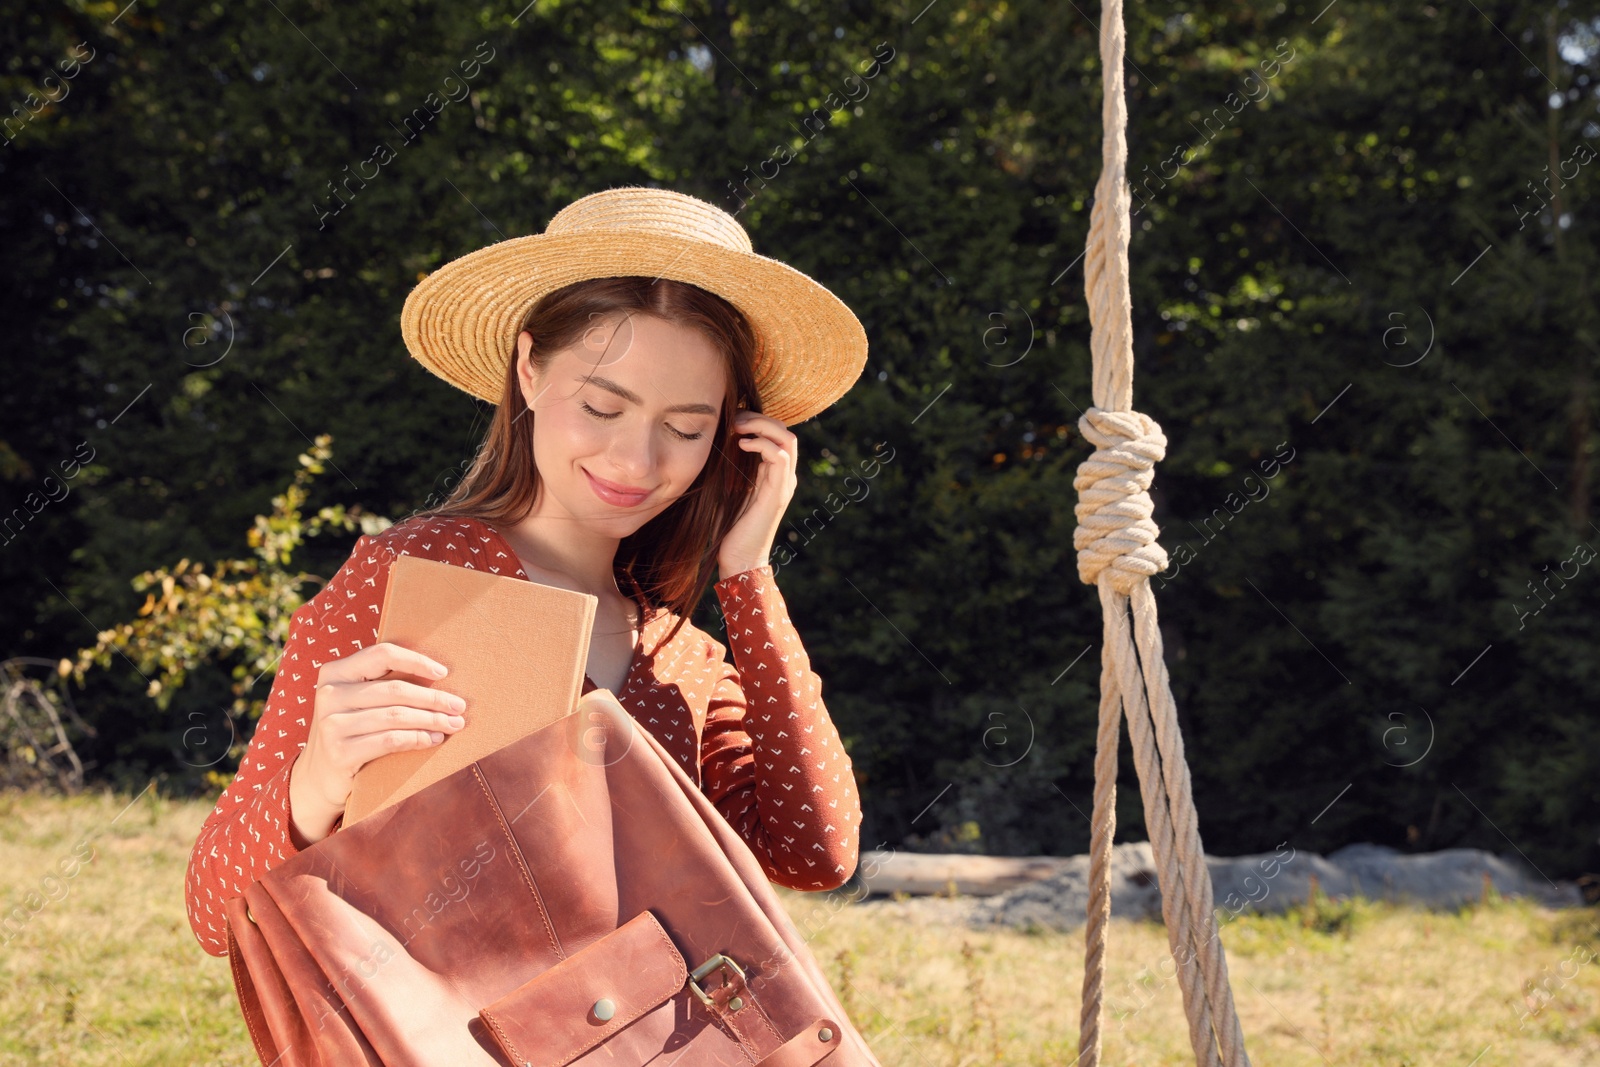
(608, 415)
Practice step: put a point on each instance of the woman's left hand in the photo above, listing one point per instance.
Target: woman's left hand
(749, 543)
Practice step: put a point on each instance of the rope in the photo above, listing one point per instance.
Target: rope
(1117, 553)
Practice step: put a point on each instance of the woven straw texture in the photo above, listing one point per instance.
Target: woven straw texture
(461, 321)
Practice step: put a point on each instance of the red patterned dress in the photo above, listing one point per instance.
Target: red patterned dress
(753, 734)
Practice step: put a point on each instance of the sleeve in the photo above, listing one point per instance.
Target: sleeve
(247, 833)
(772, 762)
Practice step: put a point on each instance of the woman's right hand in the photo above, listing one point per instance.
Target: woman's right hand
(365, 708)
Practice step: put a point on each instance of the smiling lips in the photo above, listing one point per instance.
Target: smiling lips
(619, 495)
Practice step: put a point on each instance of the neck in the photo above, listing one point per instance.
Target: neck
(586, 562)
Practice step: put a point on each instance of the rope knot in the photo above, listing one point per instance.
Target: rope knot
(1114, 508)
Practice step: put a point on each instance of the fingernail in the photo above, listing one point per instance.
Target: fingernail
(437, 737)
(440, 670)
(457, 721)
(458, 703)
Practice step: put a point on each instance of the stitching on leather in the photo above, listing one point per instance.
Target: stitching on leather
(614, 1026)
(500, 1033)
(238, 966)
(733, 1032)
(747, 1040)
(617, 1025)
(522, 861)
(765, 1018)
(655, 922)
(746, 1033)
(828, 1048)
(677, 982)
(761, 1013)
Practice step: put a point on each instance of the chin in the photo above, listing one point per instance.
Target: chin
(599, 517)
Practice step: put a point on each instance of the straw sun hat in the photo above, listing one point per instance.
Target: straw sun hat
(461, 321)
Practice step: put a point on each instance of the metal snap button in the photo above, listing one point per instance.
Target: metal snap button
(604, 1009)
(248, 914)
(735, 1004)
(825, 1034)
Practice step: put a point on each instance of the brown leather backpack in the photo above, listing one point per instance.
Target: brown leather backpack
(571, 898)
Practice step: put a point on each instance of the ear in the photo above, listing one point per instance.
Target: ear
(529, 380)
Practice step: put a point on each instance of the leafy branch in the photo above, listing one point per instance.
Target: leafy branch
(235, 608)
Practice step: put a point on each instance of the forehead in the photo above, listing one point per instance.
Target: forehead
(616, 333)
(633, 353)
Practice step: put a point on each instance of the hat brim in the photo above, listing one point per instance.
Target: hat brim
(461, 321)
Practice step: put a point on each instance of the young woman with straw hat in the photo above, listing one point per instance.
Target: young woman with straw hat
(646, 366)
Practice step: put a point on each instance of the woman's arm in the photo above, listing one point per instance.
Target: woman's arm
(249, 831)
(771, 759)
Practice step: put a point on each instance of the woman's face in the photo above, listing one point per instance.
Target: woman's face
(623, 420)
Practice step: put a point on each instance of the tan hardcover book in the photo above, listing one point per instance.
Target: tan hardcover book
(517, 652)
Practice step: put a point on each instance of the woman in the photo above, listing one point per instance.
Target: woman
(645, 365)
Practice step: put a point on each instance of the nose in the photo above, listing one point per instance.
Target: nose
(631, 455)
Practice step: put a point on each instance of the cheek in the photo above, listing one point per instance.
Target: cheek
(684, 464)
(562, 429)
(695, 460)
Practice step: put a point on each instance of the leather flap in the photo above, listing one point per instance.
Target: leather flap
(551, 1019)
(805, 1048)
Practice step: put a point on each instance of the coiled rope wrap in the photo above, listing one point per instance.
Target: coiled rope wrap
(1117, 553)
(1114, 508)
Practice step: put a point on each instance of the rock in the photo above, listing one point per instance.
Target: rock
(1272, 882)
(1448, 878)
(1061, 901)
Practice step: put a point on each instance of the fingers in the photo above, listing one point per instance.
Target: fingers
(367, 707)
(398, 718)
(767, 436)
(346, 698)
(367, 733)
(766, 427)
(375, 661)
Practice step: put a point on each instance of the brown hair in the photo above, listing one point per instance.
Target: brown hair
(669, 560)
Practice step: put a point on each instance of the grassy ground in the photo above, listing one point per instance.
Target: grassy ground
(102, 969)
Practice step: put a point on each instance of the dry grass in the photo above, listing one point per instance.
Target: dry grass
(106, 971)
(1338, 985)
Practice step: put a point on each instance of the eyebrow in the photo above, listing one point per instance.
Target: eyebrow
(634, 398)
